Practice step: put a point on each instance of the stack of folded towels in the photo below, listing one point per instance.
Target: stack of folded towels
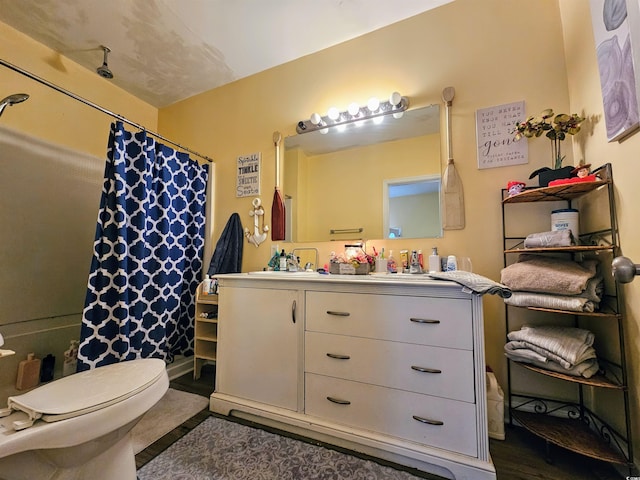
(555, 283)
(566, 350)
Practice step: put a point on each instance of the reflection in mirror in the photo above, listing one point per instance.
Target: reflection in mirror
(369, 181)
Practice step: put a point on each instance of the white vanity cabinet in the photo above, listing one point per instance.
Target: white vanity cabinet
(261, 347)
(388, 366)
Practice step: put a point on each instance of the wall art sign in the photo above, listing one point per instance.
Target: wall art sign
(615, 29)
(495, 137)
(248, 176)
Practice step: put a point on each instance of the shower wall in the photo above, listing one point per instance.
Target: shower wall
(48, 205)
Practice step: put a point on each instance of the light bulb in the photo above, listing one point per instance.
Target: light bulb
(324, 131)
(373, 104)
(398, 115)
(395, 99)
(315, 118)
(333, 114)
(353, 109)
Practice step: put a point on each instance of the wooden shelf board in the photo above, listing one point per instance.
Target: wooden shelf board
(205, 357)
(595, 381)
(208, 338)
(570, 434)
(207, 320)
(555, 193)
(571, 312)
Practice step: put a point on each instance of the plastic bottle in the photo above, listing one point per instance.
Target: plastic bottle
(283, 261)
(46, 370)
(70, 362)
(392, 267)
(434, 261)
(421, 260)
(452, 263)
(206, 285)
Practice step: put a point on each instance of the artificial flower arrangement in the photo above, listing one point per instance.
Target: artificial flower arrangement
(354, 260)
(555, 128)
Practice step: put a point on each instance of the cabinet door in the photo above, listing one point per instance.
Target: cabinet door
(258, 345)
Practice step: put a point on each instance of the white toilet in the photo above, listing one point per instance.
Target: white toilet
(78, 427)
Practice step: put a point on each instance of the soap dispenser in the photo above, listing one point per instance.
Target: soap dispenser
(283, 261)
(434, 261)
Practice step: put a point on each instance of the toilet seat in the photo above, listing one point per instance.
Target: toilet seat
(85, 392)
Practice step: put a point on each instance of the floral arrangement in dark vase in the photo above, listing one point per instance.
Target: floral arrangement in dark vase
(555, 128)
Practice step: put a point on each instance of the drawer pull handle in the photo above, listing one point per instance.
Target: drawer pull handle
(425, 369)
(338, 314)
(339, 401)
(428, 420)
(293, 312)
(424, 320)
(338, 356)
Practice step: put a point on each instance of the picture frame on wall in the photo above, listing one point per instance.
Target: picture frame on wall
(616, 29)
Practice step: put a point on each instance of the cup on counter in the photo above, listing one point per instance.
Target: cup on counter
(464, 263)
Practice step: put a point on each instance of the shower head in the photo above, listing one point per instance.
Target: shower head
(103, 70)
(11, 100)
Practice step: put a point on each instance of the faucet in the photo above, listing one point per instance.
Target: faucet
(308, 265)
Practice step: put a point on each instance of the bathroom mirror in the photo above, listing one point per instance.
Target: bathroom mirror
(369, 181)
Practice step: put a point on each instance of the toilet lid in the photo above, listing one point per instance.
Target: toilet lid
(88, 391)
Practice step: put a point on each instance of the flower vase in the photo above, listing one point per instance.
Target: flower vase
(546, 176)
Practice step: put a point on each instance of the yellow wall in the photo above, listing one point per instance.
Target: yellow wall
(586, 97)
(492, 52)
(483, 49)
(54, 116)
(58, 202)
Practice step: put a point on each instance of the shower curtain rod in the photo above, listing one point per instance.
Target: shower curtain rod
(98, 107)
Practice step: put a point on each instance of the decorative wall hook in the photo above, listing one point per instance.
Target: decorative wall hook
(257, 238)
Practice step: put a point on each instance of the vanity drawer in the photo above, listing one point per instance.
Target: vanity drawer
(443, 322)
(443, 372)
(446, 424)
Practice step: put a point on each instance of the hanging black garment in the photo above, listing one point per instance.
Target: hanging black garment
(227, 257)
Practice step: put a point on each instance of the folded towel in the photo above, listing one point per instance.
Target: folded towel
(555, 238)
(537, 273)
(474, 282)
(556, 302)
(567, 346)
(585, 369)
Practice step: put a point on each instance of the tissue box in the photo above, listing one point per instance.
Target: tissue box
(349, 269)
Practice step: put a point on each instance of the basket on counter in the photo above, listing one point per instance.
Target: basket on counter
(349, 268)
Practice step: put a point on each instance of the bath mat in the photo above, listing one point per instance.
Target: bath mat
(218, 449)
(175, 408)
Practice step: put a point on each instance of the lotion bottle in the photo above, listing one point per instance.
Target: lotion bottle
(283, 261)
(434, 261)
(206, 285)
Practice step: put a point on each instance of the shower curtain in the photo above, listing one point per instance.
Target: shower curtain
(147, 254)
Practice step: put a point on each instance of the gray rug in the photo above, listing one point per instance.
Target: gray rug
(219, 449)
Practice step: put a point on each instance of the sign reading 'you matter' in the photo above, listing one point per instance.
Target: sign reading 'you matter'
(495, 137)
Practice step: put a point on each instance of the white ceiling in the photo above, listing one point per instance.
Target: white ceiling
(163, 51)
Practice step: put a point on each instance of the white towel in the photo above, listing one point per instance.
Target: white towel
(567, 346)
(585, 369)
(556, 302)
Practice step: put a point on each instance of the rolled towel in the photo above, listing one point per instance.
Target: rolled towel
(538, 273)
(568, 345)
(555, 302)
(555, 238)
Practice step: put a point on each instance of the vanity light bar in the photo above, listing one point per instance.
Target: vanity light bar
(395, 106)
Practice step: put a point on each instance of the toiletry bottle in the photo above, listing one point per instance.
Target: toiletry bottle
(414, 266)
(421, 260)
(404, 261)
(452, 263)
(434, 261)
(206, 285)
(48, 364)
(28, 372)
(283, 261)
(70, 362)
(392, 267)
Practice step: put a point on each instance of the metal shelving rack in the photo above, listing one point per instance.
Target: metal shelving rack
(573, 424)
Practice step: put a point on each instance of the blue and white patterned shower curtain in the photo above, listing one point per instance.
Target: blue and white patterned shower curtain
(147, 254)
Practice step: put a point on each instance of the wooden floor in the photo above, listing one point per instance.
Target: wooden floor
(521, 456)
